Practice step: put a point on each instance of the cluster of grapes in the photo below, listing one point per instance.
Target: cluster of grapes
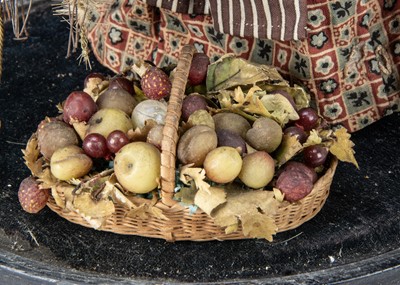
(314, 155)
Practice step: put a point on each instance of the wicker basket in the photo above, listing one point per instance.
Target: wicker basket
(181, 223)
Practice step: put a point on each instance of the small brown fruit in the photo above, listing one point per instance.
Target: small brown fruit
(54, 135)
(266, 135)
(195, 144)
(233, 122)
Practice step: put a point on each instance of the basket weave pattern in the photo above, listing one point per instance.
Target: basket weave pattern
(181, 224)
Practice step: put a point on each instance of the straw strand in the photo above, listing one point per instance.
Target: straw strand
(1, 39)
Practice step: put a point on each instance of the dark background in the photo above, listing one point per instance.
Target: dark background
(355, 234)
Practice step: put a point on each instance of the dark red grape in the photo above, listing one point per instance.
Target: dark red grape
(116, 140)
(198, 68)
(94, 77)
(308, 118)
(95, 145)
(315, 155)
(122, 83)
(79, 106)
(296, 131)
(191, 104)
(286, 95)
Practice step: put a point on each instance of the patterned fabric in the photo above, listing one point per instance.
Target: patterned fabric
(268, 19)
(350, 60)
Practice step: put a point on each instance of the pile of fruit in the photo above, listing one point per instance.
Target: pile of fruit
(242, 127)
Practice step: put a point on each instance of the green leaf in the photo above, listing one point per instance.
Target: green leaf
(342, 147)
(313, 139)
(280, 108)
(230, 71)
(299, 95)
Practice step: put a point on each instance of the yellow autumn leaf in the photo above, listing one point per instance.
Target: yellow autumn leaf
(313, 139)
(196, 174)
(257, 225)
(342, 147)
(248, 205)
(288, 148)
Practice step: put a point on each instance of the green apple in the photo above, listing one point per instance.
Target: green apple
(137, 167)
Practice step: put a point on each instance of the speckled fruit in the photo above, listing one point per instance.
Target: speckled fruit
(155, 83)
(31, 197)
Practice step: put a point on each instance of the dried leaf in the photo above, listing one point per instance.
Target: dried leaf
(230, 71)
(299, 95)
(280, 108)
(140, 134)
(57, 198)
(80, 128)
(279, 195)
(46, 179)
(86, 205)
(188, 173)
(209, 200)
(255, 207)
(288, 148)
(313, 139)
(31, 156)
(145, 210)
(186, 195)
(258, 225)
(342, 147)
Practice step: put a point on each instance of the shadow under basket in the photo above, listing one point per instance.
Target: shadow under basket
(180, 222)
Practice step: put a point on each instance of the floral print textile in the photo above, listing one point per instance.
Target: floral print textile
(349, 62)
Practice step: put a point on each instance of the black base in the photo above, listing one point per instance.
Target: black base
(355, 234)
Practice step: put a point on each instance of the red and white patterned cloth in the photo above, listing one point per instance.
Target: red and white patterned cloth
(349, 59)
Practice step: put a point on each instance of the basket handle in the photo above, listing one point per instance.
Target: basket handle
(170, 132)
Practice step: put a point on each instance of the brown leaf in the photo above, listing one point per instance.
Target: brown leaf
(257, 225)
(140, 134)
(258, 205)
(31, 156)
(209, 200)
(186, 195)
(86, 205)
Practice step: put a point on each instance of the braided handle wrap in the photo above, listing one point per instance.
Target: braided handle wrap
(170, 131)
